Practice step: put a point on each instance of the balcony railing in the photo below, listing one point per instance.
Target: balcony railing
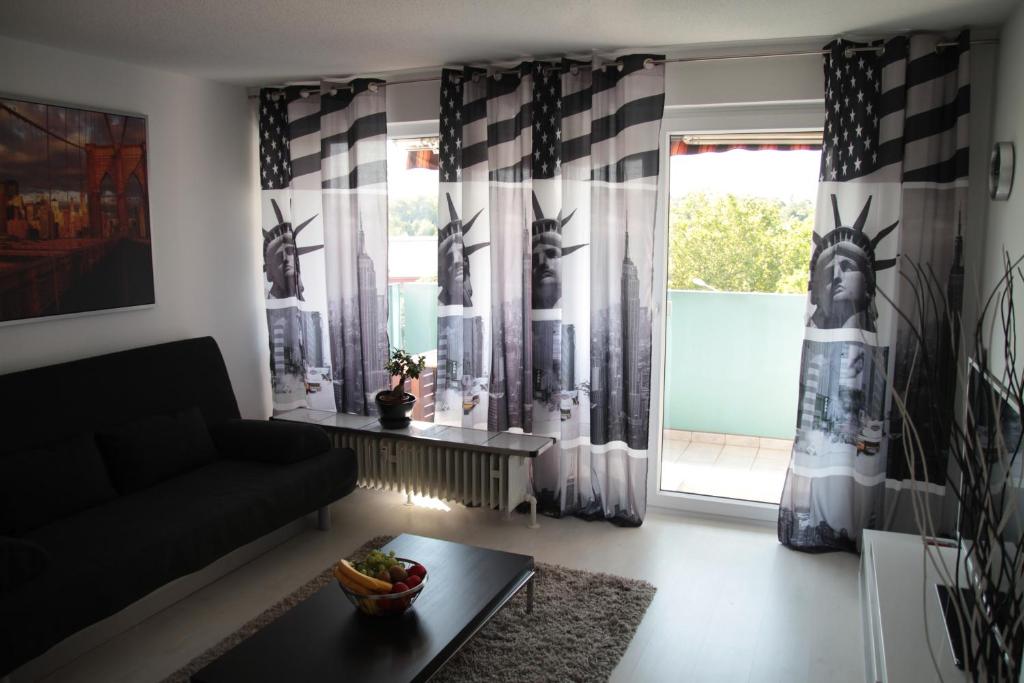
(733, 362)
(412, 316)
(732, 358)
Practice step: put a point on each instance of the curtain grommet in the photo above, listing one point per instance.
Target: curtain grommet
(648, 63)
(574, 70)
(374, 87)
(620, 66)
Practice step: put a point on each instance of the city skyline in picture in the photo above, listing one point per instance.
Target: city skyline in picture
(74, 211)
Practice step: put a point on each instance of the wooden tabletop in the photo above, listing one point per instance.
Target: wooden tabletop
(325, 638)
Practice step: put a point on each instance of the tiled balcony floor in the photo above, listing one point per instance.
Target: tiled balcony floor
(724, 465)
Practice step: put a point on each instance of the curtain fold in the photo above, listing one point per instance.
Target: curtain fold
(548, 186)
(892, 195)
(323, 168)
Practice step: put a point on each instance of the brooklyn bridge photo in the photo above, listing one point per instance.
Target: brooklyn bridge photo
(74, 211)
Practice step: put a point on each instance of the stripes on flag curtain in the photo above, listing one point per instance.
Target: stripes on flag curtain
(323, 165)
(893, 191)
(544, 317)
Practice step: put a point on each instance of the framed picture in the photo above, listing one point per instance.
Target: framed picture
(75, 232)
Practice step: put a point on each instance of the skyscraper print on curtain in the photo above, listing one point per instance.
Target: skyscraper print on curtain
(545, 327)
(323, 161)
(892, 194)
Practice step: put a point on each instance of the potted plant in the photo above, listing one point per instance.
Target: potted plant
(395, 404)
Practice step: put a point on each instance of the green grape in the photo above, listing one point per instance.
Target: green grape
(376, 561)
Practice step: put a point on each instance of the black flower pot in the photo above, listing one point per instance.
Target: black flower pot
(394, 414)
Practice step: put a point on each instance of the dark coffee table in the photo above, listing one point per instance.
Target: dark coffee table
(325, 638)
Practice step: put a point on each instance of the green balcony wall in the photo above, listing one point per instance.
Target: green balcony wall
(733, 362)
(415, 303)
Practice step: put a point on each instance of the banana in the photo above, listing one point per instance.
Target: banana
(368, 606)
(353, 575)
(349, 585)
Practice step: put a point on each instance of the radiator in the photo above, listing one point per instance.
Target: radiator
(472, 478)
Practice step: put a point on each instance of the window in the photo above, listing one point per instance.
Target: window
(740, 218)
(412, 266)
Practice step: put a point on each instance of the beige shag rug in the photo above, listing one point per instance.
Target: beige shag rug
(580, 627)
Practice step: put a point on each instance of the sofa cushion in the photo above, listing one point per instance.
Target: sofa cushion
(110, 556)
(20, 562)
(47, 483)
(266, 441)
(152, 449)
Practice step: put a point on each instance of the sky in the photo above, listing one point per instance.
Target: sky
(40, 162)
(768, 173)
(404, 183)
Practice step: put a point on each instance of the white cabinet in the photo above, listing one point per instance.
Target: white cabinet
(900, 611)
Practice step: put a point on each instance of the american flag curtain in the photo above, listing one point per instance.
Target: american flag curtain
(323, 168)
(892, 193)
(548, 184)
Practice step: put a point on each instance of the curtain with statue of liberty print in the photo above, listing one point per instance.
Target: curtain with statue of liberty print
(548, 185)
(323, 171)
(891, 201)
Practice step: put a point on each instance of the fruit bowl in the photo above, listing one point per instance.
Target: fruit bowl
(381, 604)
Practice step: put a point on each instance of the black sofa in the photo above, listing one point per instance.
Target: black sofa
(122, 472)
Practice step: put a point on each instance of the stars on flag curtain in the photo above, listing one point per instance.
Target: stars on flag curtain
(544, 317)
(275, 163)
(852, 104)
(323, 172)
(892, 193)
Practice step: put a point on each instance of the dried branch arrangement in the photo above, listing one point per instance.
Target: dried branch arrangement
(963, 399)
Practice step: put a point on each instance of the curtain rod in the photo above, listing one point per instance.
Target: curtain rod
(647, 64)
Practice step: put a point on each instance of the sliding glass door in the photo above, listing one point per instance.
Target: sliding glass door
(738, 217)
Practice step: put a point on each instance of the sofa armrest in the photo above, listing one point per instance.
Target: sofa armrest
(266, 441)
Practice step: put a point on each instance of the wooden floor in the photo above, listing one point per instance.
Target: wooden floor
(732, 604)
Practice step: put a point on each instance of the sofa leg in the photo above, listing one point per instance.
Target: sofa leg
(323, 520)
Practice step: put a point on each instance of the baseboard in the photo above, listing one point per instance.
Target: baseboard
(91, 637)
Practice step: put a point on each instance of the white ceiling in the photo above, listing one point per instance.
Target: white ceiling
(260, 41)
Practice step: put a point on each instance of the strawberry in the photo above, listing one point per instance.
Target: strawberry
(400, 587)
(417, 570)
(412, 581)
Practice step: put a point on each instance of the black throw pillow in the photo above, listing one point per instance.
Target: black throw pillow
(20, 562)
(51, 482)
(151, 449)
(269, 441)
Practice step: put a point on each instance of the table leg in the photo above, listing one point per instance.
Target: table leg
(323, 518)
(529, 596)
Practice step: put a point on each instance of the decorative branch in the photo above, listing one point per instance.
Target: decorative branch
(990, 614)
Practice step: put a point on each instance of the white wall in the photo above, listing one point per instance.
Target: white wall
(774, 79)
(1005, 224)
(201, 191)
